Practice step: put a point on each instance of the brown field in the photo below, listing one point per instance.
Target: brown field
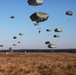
(38, 64)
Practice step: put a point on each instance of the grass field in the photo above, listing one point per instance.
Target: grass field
(38, 64)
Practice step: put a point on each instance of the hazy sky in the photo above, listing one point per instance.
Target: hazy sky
(31, 39)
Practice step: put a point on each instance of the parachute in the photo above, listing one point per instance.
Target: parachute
(10, 48)
(14, 37)
(20, 34)
(51, 46)
(14, 44)
(47, 42)
(39, 31)
(35, 2)
(48, 30)
(39, 17)
(18, 41)
(70, 13)
(58, 30)
(12, 17)
(1, 45)
(56, 35)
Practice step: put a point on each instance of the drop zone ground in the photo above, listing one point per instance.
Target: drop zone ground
(38, 63)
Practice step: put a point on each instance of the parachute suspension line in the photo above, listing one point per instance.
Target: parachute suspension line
(39, 29)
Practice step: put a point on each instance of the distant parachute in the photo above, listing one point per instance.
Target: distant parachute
(58, 30)
(14, 44)
(48, 30)
(10, 48)
(56, 35)
(14, 37)
(20, 34)
(47, 42)
(18, 41)
(1, 45)
(12, 17)
(35, 2)
(39, 31)
(51, 46)
(39, 17)
(70, 13)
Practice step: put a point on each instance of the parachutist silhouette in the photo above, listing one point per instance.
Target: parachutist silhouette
(39, 31)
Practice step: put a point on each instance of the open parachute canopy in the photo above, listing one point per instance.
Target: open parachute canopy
(39, 17)
(35, 2)
(1, 45)
(18, 41)
(51, 46)
(70, 13)
(47, 42)
(12, 17)
(48, 30)
(10, 48)
(20, 34)
(56, 35)
(58, 30)
(14, 44)
(14, 37)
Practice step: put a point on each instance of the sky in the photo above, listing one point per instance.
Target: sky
(22, 23)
